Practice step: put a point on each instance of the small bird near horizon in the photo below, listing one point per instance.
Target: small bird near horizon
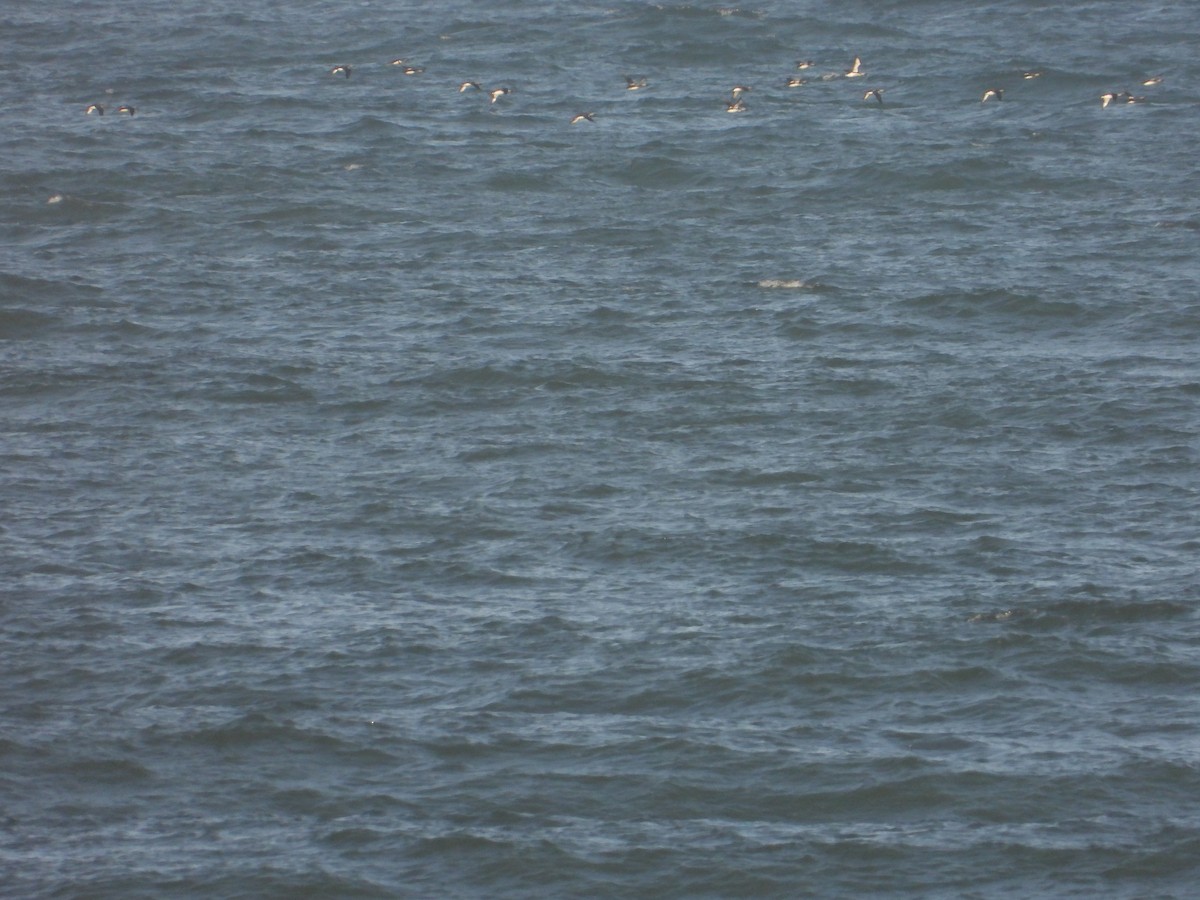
(855, 70)
(992, 93)
(877, 93)
(340, 70)
(467, 85)
(497, 93)
(583, 117)
(95, 110)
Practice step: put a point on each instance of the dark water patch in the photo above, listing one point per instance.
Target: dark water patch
(657, 173)
(256, 388)
(20, 324)
(1098, 609)
(259, 733)
(1189, 224)
(254, 881)
(38, 291)
(496, 379)
(865, 556)
(353, 838)
(1096, 612)
(1009, 305)
(752, 478)
(1158, 865)
(103, 773)
(545, 180)
(119, 328)
(935, 743)
(1117, 669)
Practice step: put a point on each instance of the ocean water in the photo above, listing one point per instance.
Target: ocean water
(409, 495)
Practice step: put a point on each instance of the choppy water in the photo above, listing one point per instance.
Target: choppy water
(406, 496)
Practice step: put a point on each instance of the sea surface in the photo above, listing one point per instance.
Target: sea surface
(405, 494)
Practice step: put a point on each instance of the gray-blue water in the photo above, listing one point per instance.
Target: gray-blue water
(406, 495)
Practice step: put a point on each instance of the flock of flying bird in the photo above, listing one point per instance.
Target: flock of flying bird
(735, 105)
